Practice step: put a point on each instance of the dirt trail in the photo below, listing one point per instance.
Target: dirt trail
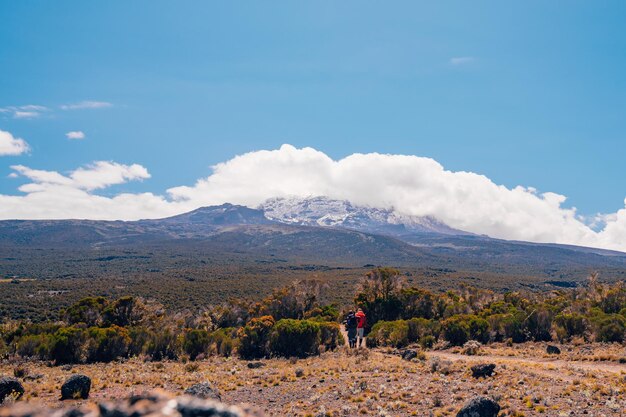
(542, 366)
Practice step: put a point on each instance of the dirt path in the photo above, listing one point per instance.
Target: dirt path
(542, 366)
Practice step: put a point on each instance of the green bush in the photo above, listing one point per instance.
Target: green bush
(163, 344)
(223, 341)
(67, 345)
(139, 339)
(330, 335)
(456, 330)
(107, 344)
(33, 346)
(610, 328)
(254, 338)
(300, 338)
(390, 333)
(88, 311)
(568, 325)
(427, 342)
(420, 328)
(195, 342)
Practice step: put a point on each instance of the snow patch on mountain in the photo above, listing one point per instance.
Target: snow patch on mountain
(327, 212)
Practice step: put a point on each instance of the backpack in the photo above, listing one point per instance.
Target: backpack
(350, 321)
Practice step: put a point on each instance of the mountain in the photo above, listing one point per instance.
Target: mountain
(317, 231)
(326, 212)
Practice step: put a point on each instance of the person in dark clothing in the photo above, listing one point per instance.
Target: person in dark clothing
(351, 323)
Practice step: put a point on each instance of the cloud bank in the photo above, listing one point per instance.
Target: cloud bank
(10, 145)
(410, 184)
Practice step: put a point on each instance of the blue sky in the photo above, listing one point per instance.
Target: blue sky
(530, 93)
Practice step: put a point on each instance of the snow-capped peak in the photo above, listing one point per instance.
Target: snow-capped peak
(327, 212)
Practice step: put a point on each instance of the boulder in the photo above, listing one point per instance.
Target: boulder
(553, 350)
(150, 404)
(76, 387)
(480, 407)
(10, 387)
(409, 354)
(205, 391)
(255, 365)
(483, 370)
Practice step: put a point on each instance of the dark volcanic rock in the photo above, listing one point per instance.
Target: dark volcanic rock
(255, 365)
(480, 407)
(409, 354)
(553, 350)
(10, 386)
(483, 370)
(204, 390)
(153, 405)
(76, 387)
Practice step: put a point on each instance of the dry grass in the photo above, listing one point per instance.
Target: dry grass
(357, 383)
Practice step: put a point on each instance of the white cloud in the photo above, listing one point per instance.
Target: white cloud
(75, 134)
(86, 105)
(29, 111)
(10, 145)
(411, 184)
(462, 60)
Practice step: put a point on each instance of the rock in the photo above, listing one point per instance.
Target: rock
(299, 372)
(151, 404)
(76, 387)
(483, 370)
(205, 391)
(255, 365)
(553, 350)
(480, 407)
(409, 354)
(10, 387)
(471, 347)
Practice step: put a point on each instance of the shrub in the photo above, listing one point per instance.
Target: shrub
(456, 330)
(88, 311)
(566, 326)
(107, 344)
(195, 342)
(330, 335)
(300, 338)
(162, 345)
(223, 341)
(427, 342)
(33, 346)
(390, 333)
(611, 328)
(420, 328)
(139, 339)
(254, 338)
(67, 345)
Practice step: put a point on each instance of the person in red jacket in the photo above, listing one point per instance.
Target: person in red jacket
(360, 327)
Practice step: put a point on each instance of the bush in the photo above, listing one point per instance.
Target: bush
(163, 345)
(330, 335)
(611, 328)
(223, 341)
(390, 333)
(88, 311)
(427, 342)
(456, 330)
(67, 345)
(107, 344)
(566, 326)
(33, 346)
(254, 338)
(420, 328)
(195, 342)
(300, 338)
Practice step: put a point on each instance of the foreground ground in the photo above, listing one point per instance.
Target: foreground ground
(583, 380)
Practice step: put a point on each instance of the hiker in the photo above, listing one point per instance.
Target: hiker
(351, 323)
(360, 327)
